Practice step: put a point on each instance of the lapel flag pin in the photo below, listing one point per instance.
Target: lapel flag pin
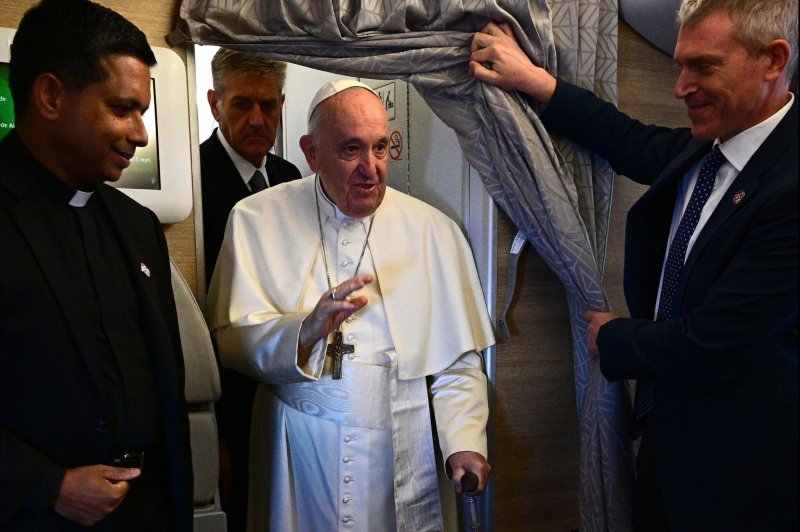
(739, 197)
(144, 269)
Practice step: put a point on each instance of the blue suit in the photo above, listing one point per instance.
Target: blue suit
(723, 436)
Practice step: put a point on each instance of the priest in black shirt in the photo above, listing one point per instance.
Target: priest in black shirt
(93, 424)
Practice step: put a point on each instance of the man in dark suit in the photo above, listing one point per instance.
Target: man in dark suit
(246, 101)
(711, 267)
(93, 425)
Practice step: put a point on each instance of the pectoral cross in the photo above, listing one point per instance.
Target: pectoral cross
(336, 350)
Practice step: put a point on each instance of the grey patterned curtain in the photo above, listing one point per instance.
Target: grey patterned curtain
(557, 194)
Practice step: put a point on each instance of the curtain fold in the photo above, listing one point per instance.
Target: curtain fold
(557, 194)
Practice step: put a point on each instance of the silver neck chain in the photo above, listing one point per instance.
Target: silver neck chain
(322, 237)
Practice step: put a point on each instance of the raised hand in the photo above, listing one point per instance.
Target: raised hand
(332, 309)
(498, 59)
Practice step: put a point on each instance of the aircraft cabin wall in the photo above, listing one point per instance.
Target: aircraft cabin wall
(534, 424)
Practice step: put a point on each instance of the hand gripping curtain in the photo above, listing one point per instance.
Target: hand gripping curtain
(556, 194)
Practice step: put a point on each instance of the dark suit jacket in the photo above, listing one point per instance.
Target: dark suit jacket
(223, 187)
(52, 413)
(725, 425)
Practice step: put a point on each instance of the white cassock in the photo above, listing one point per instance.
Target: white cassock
(355, 453)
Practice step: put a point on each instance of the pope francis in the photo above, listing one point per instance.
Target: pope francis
(359, 310)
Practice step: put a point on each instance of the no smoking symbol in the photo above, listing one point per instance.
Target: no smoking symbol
(395, 145)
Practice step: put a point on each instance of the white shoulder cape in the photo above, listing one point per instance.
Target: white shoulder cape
(426, 271)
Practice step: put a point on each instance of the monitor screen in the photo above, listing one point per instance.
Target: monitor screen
(143, 173)
(6, 104)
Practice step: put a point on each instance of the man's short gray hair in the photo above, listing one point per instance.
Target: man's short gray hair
(227, 61)
(757, 22)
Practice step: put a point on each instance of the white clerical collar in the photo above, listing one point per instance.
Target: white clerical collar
(243, 166)
(328, 205)
(739, 148)
(80, 198)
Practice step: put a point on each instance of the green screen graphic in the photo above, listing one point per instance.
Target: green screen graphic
(6, 104)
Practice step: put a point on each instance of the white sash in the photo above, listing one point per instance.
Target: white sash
(349, 401)
(416, 486)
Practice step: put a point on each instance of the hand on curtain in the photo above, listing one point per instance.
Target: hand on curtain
(498, 59)
(596, 320)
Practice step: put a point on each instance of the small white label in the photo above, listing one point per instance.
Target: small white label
(519, 241)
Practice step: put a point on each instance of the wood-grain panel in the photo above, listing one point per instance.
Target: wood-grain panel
(536, 439)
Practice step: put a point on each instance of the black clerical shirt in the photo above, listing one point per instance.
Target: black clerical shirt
(129, 388)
